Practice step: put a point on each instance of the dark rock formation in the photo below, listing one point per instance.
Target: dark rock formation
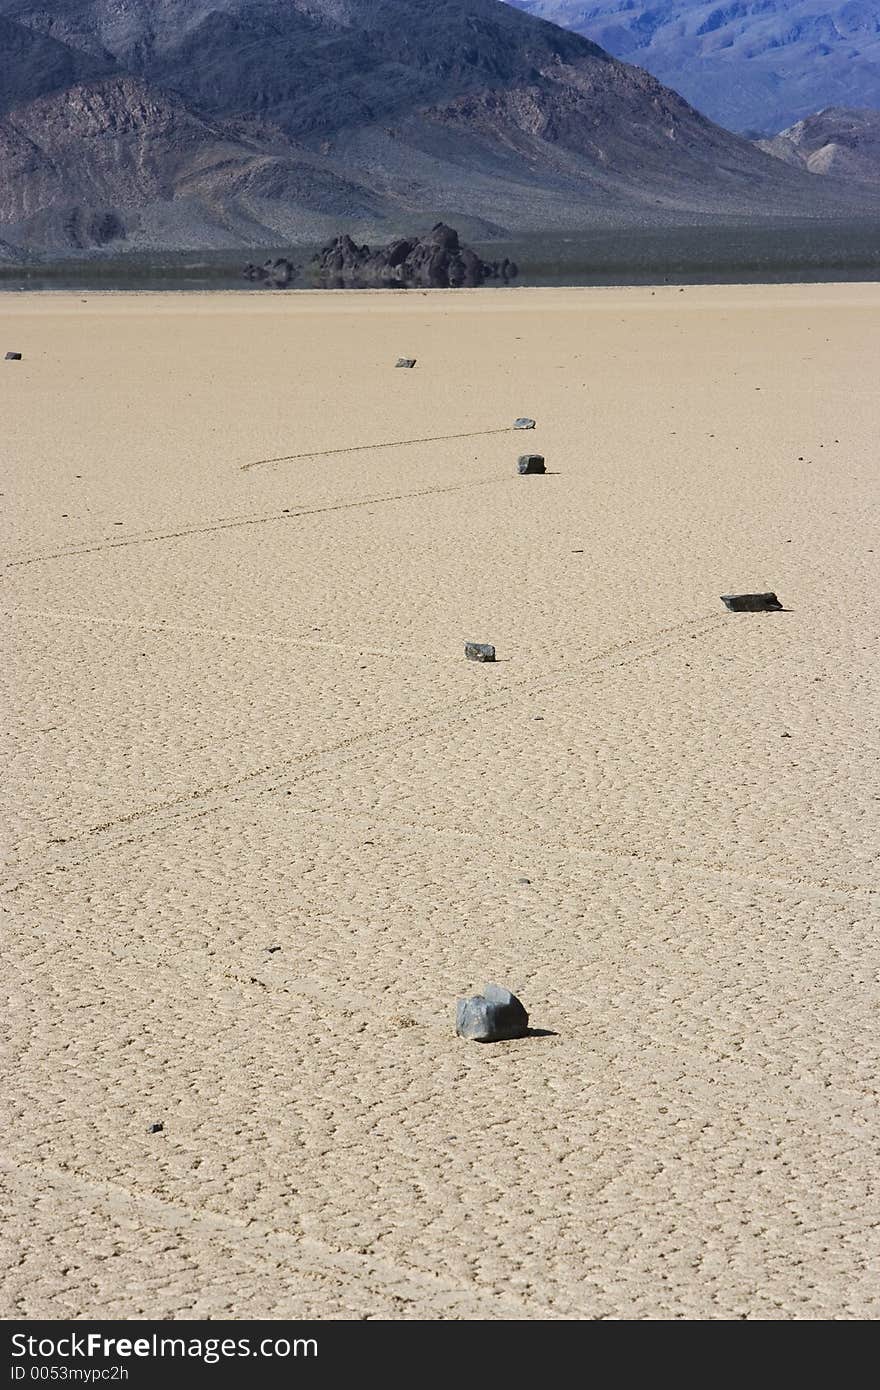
(531, 463)
(275, 275)
(83, 228)
(435, 261)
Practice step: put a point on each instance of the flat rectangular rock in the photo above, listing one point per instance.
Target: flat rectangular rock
(13, 357)
(405, 362)
(751, 603)
(531, 463)
(479, 651)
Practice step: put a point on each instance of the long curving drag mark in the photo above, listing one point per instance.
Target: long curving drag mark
(390, 444)
(307, 762)
(152, 537)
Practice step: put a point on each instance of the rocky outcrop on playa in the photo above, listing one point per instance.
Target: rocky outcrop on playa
(435, 261)
(275, 274)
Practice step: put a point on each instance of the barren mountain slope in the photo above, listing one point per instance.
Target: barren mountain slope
(749, 64)
(100, 161)
(253, 121)
(837, 141)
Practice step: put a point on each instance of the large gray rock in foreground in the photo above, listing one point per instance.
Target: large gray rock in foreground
(493, 1016)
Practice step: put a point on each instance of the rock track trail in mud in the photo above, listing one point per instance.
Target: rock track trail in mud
(267, 823)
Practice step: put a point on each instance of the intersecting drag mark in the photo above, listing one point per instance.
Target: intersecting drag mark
(835, 889)
(356, 448)
(258, 1241)
(150, 538)
(169, 629)
(182, 807)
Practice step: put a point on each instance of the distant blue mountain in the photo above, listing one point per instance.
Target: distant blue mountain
(751, 65)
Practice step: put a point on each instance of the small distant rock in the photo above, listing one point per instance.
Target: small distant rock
(156, 1128)
(493, 1016)
(13, 357)
(751, 603)
(531, 463)
(405, 362)
(479, 651)
(524, 423)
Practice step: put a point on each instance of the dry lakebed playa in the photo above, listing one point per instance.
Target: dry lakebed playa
(266, 823)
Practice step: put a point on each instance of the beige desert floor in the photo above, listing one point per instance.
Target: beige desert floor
(239, 718)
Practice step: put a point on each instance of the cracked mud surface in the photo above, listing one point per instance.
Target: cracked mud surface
(266, 823)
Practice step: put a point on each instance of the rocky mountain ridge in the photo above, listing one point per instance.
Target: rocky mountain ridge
(751, 65)
(215, 123)
(838, 141)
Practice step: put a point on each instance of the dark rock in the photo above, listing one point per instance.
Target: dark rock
(13, 357)
(524, 423)
(155, 1129)
(277, 274)
(405, 362)
(396, 254)
(105, 227)
(492, 1016)
(752, 603)
(435, 261)
(282, 272)
(479, 651)
(531, 463)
